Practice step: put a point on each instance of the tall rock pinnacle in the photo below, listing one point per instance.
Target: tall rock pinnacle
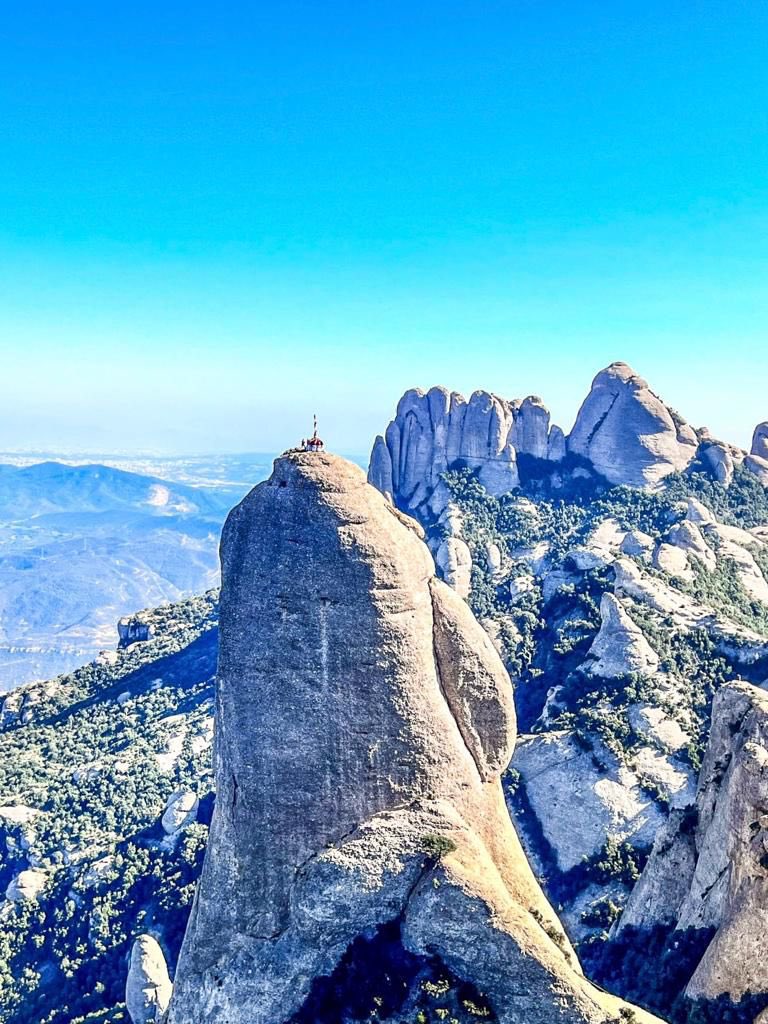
(363, 719)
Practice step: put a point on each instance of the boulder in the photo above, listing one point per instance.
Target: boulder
(688, 537)
(148, 988)
(717, 457)
(628, 434)
(454, 561)
(27, 885)
(760, 441)
(619, 647)
(180, 811)
(363, 719)
(673, 560)
(638, 544)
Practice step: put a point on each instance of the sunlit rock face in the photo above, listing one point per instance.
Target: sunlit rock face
(438, 429)
(363, 720)
(627, 432)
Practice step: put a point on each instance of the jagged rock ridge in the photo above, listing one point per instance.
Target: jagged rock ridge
(363, 721)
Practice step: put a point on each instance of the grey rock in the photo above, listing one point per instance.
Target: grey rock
(718, 458)
(628, 434)
(698, 513)
(454, 561)
(360, 709)
(664, 885)
(707, 869)
(435, 430)
(758, 466)
(148, 988)
(638, 544)
(760, 441)
(180, 811)
(619, 647)
(688, 537)
(673, 560)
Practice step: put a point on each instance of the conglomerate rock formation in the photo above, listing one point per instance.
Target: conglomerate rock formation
(709, 868)
(627, 432)
(363, 720)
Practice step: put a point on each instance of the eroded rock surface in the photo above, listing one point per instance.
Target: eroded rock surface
(363, 720)
(709, 867)
(148, 989)
(432, 431)
(627, 432)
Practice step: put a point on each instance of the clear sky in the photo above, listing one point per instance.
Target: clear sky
(217, 218)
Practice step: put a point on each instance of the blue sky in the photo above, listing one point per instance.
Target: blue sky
(215, 219)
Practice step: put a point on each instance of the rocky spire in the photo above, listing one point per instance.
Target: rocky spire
(628, 434)
(148, 988)
(431, 431)
(757, 461)
(363, 719)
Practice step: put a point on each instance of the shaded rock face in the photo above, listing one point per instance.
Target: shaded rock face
(363, 721)
(760, 441)
(628, 434)
(709, 869)
(148, 989)
(757, 461)
(431, 431)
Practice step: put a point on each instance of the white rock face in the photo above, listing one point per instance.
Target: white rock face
(454, 562)
(687, 536)
(619, 647)
(27, 885)
(577, 806)
(432, 431)
(698, 512)
(148, 988)
(673, 560)
(760, 441)
(180, 811)
(628, 434)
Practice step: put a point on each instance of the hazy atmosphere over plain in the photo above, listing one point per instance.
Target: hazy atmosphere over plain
(217, 221)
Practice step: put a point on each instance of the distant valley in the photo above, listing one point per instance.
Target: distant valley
(83, 544)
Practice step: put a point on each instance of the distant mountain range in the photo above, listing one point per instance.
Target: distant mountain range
(82, 545)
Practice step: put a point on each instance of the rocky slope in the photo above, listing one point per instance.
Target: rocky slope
(708, 872)
(105, 796)
(363, 722)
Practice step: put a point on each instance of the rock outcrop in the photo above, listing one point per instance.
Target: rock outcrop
(363, 719)
(757, 461)
(709, 869)
(760, 441)
(148, 988)
(620, 646)
(435, 430)
(627, 432)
